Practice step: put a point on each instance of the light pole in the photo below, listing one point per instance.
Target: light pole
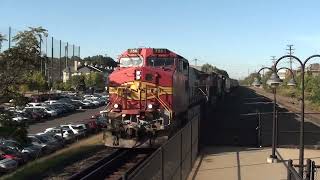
(274, 82)
(303, 65)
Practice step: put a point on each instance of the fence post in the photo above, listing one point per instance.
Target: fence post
(9, 37)
(288, 169)
(259, 128)
(308, 169)
(51, 73)
(60, 71)
(313, 170)
(162, 163)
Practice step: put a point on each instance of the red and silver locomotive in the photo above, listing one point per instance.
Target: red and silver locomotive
(150, 93)
(146, 92)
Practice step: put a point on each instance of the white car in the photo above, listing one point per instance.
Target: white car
(77, 130)
(34, 104)
(51, 101)
(67, 133)
(95, 102)
(50, 111)
(90, 97)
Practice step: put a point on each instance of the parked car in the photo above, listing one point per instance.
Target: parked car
(101, 121)
(9, 153)
(7, 165)
(94, 102)
(19, 117)
(67, 134)
(77, 130)
(34, 115)
(90, 96)
(33, 104)
(48, 110)
(30, 150)
(46, 145)
(91, 126)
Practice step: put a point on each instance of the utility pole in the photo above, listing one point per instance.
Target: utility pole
(273, 58)
(290, 53)
(195, 61)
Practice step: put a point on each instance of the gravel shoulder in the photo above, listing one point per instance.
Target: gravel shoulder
(290, 104)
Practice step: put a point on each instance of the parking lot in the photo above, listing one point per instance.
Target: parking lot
(78, 116)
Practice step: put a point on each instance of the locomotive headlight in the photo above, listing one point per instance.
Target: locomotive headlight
(138, 75)
(150, 106)
(116, 106)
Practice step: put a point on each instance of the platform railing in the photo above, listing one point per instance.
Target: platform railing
(173, 160)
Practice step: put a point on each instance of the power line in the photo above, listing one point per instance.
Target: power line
(290, 53)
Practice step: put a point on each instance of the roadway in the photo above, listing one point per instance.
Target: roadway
(78, 116)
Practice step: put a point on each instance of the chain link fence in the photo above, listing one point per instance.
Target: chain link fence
(56, 55)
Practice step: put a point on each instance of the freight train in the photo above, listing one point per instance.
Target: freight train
(150, 93)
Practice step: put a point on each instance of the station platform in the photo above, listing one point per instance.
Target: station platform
(241, 163)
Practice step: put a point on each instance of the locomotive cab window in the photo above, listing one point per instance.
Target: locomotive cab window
(130, 62)
(160, 61)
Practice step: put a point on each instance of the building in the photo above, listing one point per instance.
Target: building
(282, 73)
(85, 69)
(313, 69)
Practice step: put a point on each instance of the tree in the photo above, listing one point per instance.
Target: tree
(208, 68)
(17, 66)
(2, 38)
(78, 82)
(101, 60)
(95, 80)
(37, 81)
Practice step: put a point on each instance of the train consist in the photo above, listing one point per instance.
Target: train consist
(150, 94)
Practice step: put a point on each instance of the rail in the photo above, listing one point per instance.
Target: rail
(117, 165)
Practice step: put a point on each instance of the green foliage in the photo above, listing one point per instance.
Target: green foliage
(95, 80)
(18, 70)
(78, 82)
(101, 60)
(58, 85)
(37, 81)
(208, 68)
(12, 129)
(2, 38)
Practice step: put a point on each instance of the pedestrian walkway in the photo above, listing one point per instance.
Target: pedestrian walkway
(241, 163)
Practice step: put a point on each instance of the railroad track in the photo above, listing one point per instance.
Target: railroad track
(116, 166)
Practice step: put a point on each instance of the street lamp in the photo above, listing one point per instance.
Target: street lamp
(303, 65)
(274, 81)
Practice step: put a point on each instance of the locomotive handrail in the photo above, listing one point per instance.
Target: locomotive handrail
(163, 104)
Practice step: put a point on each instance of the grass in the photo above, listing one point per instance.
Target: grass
(42, 167)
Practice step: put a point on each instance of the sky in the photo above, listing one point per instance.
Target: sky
(239, 36)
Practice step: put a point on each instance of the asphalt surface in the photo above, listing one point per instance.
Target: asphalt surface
(235, 122)
(75, 117)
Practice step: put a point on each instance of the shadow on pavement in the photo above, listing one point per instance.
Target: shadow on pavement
(234, 122)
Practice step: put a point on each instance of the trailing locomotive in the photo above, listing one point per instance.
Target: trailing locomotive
(150, 93)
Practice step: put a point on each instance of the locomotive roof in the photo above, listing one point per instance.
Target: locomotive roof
(150, 52)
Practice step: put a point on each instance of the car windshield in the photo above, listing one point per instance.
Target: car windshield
(160, 61)
(130, 62)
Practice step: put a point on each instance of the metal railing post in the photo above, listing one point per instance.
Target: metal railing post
(313, 169)
(308, 169)
(259, 129)
(288, 169)
(162, 163)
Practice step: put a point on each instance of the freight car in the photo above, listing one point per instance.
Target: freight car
(150, 93)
